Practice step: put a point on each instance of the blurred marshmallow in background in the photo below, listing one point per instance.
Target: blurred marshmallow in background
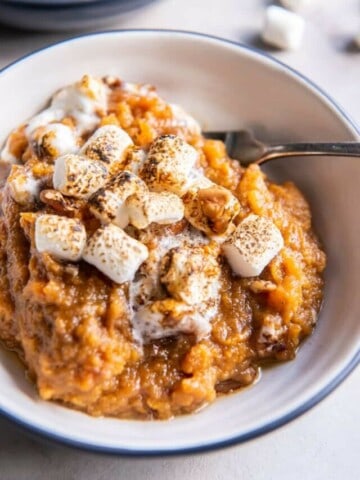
(283, 29)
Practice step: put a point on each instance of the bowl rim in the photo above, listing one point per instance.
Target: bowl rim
(269, 426)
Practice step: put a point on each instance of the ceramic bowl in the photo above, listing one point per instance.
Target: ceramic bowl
(224, 85)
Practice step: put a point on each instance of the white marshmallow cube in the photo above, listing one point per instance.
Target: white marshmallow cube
(135, 160)
(191, 275)
(115, 254)
(163, 208)
(79, 177)
(108, 144)
(62, 237)
(255, 242)
(168, 165)
(107, 204)
(283, 29)
(164, 318)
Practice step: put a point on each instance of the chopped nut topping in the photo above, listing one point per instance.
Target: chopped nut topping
(211, 210)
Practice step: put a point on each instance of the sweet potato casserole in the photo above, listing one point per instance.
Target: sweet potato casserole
(143, 271)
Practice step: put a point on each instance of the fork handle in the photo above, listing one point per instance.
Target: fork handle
(341, 149)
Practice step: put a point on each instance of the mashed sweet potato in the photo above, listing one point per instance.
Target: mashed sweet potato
(71, 324)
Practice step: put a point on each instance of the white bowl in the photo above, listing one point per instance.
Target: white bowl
(225, 85)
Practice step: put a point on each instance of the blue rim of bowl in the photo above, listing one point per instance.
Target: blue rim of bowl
(268, 427)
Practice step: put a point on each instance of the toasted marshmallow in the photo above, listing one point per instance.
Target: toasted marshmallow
(107, 204)
(115, 254)
(183, 119)
(83, 101)
(296, 4)
(283, 29)
(94, 89)
(55, 139)
(79, 177)
(135, 160)
(211, 209)
(164, 318)
(191, 274)
(198, 180)
(168, 165)
(255, 242)
(62, 237)
(88, 95)
(141, 89)
(163, 208)
(22, 185)
(44, 118)
(108, 144)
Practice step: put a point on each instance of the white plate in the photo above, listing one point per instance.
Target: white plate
(225, 85)
(65, 15)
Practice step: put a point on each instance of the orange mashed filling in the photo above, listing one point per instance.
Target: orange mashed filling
(69, 324)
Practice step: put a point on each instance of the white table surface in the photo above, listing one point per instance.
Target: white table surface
(324, 443)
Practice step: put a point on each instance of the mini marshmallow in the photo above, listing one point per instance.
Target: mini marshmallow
(143, 90)
(79, 177)
(108, 144)
(22, 185)
(62, 237)
(163, 208)
(115, 254)
(107, 204)
(191, 274)
(44, 118)
(296, 4)
(198, 180)
(135, 159)
(211, 209)
(183, 119)
(54, 140)
(94, 89)
(283, 29)
(255, 242)
(83, 101)
(168, 165)
(88, 96)
(164, 318)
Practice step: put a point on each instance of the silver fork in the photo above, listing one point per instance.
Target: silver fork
(243, 146)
